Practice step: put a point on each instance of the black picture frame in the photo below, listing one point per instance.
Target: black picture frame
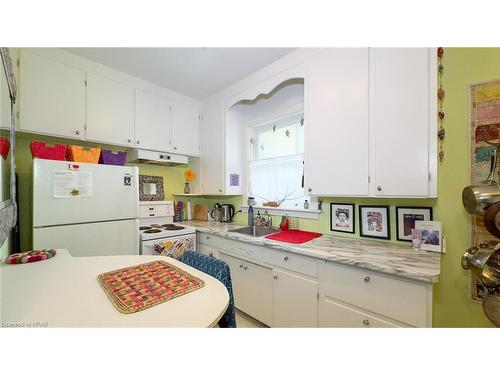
(398, 227)
(361, 226)
(353, 219)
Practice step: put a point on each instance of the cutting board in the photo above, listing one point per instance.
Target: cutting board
(200, 212)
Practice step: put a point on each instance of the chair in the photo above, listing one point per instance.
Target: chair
(219, 270)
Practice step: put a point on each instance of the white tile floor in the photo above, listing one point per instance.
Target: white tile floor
(246, 321)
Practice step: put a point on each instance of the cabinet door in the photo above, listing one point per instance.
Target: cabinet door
(186, 116)
(400, 121)
(207, 250)
(51, 97)
(336, 122)
(252, 288)
(152, 121)
(295, 300)
(335, 315)
(110, 111)
(212, 147)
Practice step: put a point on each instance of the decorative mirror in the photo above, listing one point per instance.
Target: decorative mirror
(151, 188)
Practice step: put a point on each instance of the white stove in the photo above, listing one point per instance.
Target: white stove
(159, 235)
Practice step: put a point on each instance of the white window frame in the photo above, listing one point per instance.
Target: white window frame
(313, 212)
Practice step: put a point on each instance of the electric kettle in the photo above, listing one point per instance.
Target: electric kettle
(227, 212)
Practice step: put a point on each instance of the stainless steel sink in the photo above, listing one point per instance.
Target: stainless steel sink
(255, 231)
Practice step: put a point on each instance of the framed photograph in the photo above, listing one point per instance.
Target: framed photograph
(432, 235)
(406, 218)
(342, 217)
(374, 222)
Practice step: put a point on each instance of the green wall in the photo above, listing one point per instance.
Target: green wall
(452, 306)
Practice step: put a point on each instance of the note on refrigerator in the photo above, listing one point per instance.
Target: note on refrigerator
(72, 184)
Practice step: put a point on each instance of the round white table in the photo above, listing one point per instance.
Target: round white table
(63, 292)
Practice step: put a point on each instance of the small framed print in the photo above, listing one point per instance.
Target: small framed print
(432, 235)
(342, 217)
(406, 218)
(374, 222)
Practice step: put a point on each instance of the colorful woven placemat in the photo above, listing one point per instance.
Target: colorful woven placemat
(136, 288)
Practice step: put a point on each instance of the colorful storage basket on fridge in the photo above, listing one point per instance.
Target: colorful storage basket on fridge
(83, 154)
(113, 158)
(42, 151)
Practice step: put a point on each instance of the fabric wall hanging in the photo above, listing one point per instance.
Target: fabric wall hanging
(485, 125)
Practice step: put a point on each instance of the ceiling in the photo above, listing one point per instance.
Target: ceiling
(195, 72)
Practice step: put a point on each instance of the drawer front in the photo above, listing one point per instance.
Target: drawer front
(242, 249)
(397, 299)
(335, 315)
(208, 250)
(209, 240)
(292, 262)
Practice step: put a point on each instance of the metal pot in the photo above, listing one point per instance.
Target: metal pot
(485, 264)
(477, 198)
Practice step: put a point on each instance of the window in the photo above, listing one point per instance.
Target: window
(276, 162)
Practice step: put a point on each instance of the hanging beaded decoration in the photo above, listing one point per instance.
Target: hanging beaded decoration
(440, 96)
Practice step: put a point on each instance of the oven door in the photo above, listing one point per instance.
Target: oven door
(171, 246)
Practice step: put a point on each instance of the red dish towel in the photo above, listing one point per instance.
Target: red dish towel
(293, 236)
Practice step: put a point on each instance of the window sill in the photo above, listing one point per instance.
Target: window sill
(293, 212)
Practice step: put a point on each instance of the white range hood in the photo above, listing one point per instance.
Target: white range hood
(153, 157)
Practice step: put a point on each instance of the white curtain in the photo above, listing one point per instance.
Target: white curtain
(273, 178)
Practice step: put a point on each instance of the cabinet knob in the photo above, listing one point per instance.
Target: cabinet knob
(241, 265)
(379, 188)
(275, 277)
(77, 132)
(309, 190)
(220, 190)
(245, 268)
(208, 237)
(129, 140)
(285, 259)
(138, 142)
(175, 148)
(366, 322)
(367, 279)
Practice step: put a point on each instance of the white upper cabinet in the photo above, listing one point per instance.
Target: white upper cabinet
(110, 111)
(186, 116)
(336, 122)
(51, 97)
(402, 122)
(152, 121)
(212, 147)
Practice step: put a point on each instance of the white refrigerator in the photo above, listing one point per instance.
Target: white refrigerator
(88, 209)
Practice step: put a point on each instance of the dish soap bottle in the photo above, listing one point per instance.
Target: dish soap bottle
(306, 204)
(250, 216)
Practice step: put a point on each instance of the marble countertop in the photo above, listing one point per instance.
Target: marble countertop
(391, 258)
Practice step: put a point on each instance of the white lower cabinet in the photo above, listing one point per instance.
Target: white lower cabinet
(295, 302)
(333, 314)
(208, 250)
(283, 289)
(252, 288)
